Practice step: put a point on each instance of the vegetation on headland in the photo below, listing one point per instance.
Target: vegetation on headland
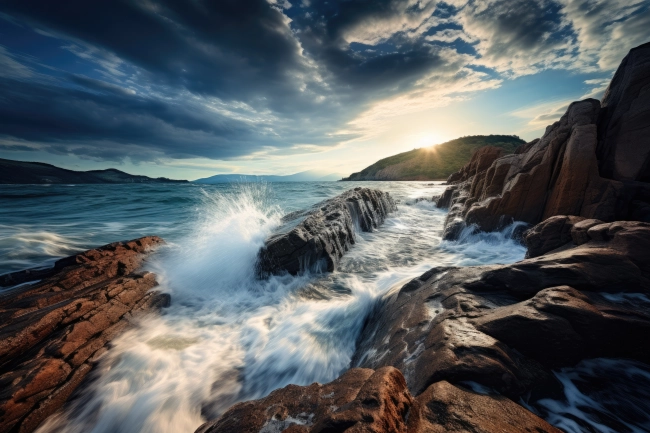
(434, 162)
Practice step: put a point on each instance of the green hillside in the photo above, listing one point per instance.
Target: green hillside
(435, 162)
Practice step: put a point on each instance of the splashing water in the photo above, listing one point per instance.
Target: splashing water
(601, 395)
(228, 336)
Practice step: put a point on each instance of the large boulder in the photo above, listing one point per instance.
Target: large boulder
(593, 163)
(317, 238)
(52, 331)
(363, 400)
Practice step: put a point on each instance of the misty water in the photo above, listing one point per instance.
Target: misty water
(227, 335)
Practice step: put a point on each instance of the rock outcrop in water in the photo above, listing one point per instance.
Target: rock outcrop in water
(365, 400)
(53, 330)
(318, 237)
(593, 163)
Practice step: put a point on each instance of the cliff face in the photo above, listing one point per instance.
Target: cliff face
(592, 163)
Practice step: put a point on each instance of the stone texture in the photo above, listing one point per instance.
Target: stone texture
(550, 234)
(447, 408)
(317, 238)
(593, 163)
(363, 400)
(624, 143)
(506, 326)
(52, 331)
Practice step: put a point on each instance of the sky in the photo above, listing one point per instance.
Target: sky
(190, 88)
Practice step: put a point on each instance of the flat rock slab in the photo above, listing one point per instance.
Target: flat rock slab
(52, 331)
(317, 238)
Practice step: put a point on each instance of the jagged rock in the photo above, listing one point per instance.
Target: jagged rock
(504, 327)
(593, 163)
(363, 400)
(549, 235)
(624, 143)
(318, 237)
(52, 331)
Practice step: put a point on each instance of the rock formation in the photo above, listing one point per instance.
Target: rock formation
(505, 327)
(53, 330)
(364, 400)
(455, 348)
(593, 163)
(317, 238)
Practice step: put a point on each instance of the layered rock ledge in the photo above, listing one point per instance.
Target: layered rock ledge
(317, 238)
(52, 331)
(378, 401)
(593, 163)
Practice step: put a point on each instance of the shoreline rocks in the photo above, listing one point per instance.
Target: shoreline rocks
(365, 400)
(52, 331)
(593, 163)
(317, 238)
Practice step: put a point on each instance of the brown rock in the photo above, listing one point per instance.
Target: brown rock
(361, 400)
(624, 144)
(504, 327)
(549, 235)
(593, 163)
(368, 401)
(51, 330)
(447, 408)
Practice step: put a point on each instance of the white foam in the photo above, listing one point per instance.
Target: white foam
(229, 337)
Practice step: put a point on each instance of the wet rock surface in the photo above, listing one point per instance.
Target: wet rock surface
(365, 400)
(505, 327)
(53, 330)
(318, 237)
(592, 163)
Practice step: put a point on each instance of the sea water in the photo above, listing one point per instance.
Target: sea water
(227, 336)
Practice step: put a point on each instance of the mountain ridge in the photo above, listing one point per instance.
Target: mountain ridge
(26, 172)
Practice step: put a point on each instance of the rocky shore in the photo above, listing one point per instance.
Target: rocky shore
(462, 348)
(594, 163)
(458, 349)
(52, 331)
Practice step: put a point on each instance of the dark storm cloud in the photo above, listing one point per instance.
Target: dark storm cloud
(231, 78)
(530, 30)
(233, 49)
(54, 115)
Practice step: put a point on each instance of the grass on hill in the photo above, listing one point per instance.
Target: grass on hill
(434, 162)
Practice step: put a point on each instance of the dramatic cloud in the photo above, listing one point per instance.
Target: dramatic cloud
(237, 79)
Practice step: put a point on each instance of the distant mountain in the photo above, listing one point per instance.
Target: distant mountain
(303, 176)
(20, 172)
(435, 162)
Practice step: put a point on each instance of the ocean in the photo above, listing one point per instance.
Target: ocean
(228, 336)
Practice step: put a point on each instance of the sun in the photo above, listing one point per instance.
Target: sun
(427, 139)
